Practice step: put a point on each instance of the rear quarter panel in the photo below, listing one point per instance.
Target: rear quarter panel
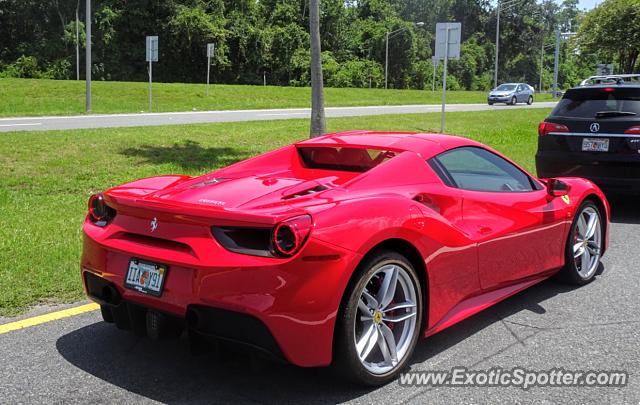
(449, 257)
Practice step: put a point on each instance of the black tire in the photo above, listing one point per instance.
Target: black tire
(569, 273)
(490, 103)
(346, 360)
(514, 100)
(530, 100)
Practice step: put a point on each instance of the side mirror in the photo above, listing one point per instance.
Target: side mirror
(557, 188)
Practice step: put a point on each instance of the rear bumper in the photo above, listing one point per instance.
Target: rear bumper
(201, 321)
(285, 307)
(617, 175)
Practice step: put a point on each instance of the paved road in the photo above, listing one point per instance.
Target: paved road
(149, 119)
(82, 359)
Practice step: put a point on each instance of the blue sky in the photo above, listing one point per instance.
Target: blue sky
(588, 4)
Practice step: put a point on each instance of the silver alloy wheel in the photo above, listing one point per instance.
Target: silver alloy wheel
(587, 242)
(385, 321)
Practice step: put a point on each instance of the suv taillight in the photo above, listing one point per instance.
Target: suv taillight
(635, 130)
(544, 128)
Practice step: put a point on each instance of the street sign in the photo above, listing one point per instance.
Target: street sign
(152, 56)
(451, 32)
(152, 49)
(447, 47)
(604, 69)
(211, 50)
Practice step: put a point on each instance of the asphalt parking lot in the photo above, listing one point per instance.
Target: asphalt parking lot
(81, 359)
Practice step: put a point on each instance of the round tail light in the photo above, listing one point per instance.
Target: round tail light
(289, 236)
(99, 212)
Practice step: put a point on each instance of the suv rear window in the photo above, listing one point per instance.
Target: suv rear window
(343, 159)
(587, 102)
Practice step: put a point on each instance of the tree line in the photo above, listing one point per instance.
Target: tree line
(270, 38)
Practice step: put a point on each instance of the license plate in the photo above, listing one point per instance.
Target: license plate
(595, 145)
(145, 277)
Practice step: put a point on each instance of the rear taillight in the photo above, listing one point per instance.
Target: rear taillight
(284, 240)
(289, 236)
(635, 130)
(544, 128)
(99, 212)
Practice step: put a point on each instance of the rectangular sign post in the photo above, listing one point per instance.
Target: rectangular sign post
(152, 56)
(435, 62)
(447, 47)
(211, 49)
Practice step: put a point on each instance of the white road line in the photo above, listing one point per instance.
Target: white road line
(22, 125)
(283, 114)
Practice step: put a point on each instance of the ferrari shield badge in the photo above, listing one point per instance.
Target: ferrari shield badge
(566, 199)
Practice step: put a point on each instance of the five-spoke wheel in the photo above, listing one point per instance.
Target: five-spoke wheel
(381, 320)
(584, 247)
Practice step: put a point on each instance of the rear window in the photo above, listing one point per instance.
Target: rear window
(587, 102)
(343, 159)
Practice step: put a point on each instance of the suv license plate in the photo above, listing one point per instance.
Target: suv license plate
(595, 145)
(145, 277)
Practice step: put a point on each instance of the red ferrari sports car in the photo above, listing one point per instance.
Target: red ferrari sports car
(340, 250)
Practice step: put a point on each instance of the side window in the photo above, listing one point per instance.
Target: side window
(477, 169)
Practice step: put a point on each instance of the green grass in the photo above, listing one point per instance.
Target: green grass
(47, 177)
(30, 97)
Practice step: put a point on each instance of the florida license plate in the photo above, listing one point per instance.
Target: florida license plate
(595, 145)
(146, 277)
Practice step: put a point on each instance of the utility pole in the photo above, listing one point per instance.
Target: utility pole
(541, 64)
(559, 36)
(556, 60)
(318, 122)
(77, 42)
(88, 58)
(386, 62)
(495, 68)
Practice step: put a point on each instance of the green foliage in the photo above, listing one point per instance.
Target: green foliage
(612, 31)
(271, 37)
(25, 67)
(60, 69)
(358, 73)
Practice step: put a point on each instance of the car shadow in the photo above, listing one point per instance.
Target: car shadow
(624, 209)
(530, 300)
(167, 372)
(189, 155)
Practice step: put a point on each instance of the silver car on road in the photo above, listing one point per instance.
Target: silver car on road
(511, 93)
